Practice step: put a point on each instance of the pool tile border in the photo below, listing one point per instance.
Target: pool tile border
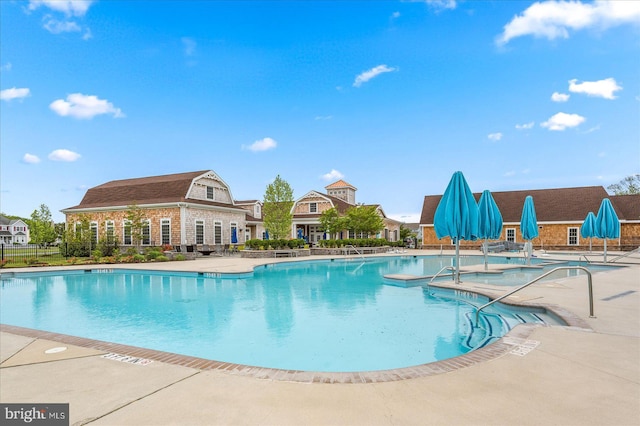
(495, 350)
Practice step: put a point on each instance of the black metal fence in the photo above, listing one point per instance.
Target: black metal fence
(28, 255)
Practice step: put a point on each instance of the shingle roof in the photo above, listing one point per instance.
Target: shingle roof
(552, 205)
(145, 190)
(339, 184)
(626, 206)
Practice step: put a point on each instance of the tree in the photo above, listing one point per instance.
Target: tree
(406, 232)
(278, 201)
(41, 227)
(364, 220)
(332, 222)
(627, 186)
(137, 224)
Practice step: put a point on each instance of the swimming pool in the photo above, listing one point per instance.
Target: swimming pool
(314, 315)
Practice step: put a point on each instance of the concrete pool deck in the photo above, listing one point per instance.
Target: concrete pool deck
(566, 375)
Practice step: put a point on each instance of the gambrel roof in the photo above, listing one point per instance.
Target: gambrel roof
(338, 203)
(172, 188)
(552, 205)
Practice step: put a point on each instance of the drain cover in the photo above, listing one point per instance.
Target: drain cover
(56, 350)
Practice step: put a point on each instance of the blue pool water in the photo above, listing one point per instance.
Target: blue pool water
(313, 315)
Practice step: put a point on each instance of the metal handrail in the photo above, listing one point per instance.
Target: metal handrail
(538, 279)
(440, 271)
(585, 258)
(626, 254)
(354, 249)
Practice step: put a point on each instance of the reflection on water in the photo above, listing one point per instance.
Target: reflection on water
(317, 315)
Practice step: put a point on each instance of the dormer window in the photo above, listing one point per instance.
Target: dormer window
(313, 207)
(209, 192)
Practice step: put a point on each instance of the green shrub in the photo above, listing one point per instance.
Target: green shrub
(96, 254)
(162, 258)
(179, 257)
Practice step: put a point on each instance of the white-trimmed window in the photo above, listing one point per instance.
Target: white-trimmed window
(200, 231)
(165, 231)
(110, 229)
(572, 236)
(93, 227)
(313, 207)
(217, 232)
(146, 233)
(510, 234)
(210, 193)
(126, 233)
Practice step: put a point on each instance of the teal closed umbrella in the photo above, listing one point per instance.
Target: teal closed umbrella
(489, 220)
(588, 228)
(607, 224)
(529, 224)
(457, 215)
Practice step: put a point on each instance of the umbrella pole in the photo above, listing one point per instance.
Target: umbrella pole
(605, 250)
(457, 272)
(590, 244)
(486, 266)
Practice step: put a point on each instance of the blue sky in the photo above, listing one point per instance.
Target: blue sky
(391, 96)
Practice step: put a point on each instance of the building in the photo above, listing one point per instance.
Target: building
(340, 195)
(13, 231)
(198, 208)
(184, 208)
(560, 213)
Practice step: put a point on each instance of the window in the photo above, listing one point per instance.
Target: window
(217, 232)
(110, 227)
(93, 227)
(146, 233)
(313, 207)
(165, 231)
(126, 233)
(199, 231)
(511, 234)
(573, 236)
(210, 192)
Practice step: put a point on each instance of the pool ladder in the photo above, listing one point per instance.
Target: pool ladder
(347, 250)
(559, 268)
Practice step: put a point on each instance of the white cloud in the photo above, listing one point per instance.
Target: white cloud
(495, 136)
(6, 67)
(510, 173)
(553, 19)
(261, 145)
(189, 45)
(405, 217)
(562, 121)
(56, 27)
(601, 88)
(323, 117)
(82, 106)
(395, 15)
(373, 72)
(30, 159)
(560, 97)
(64, 155)
(13, 93)
(525, 126)
(441, 4)
(332, 175)
(68, 7)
